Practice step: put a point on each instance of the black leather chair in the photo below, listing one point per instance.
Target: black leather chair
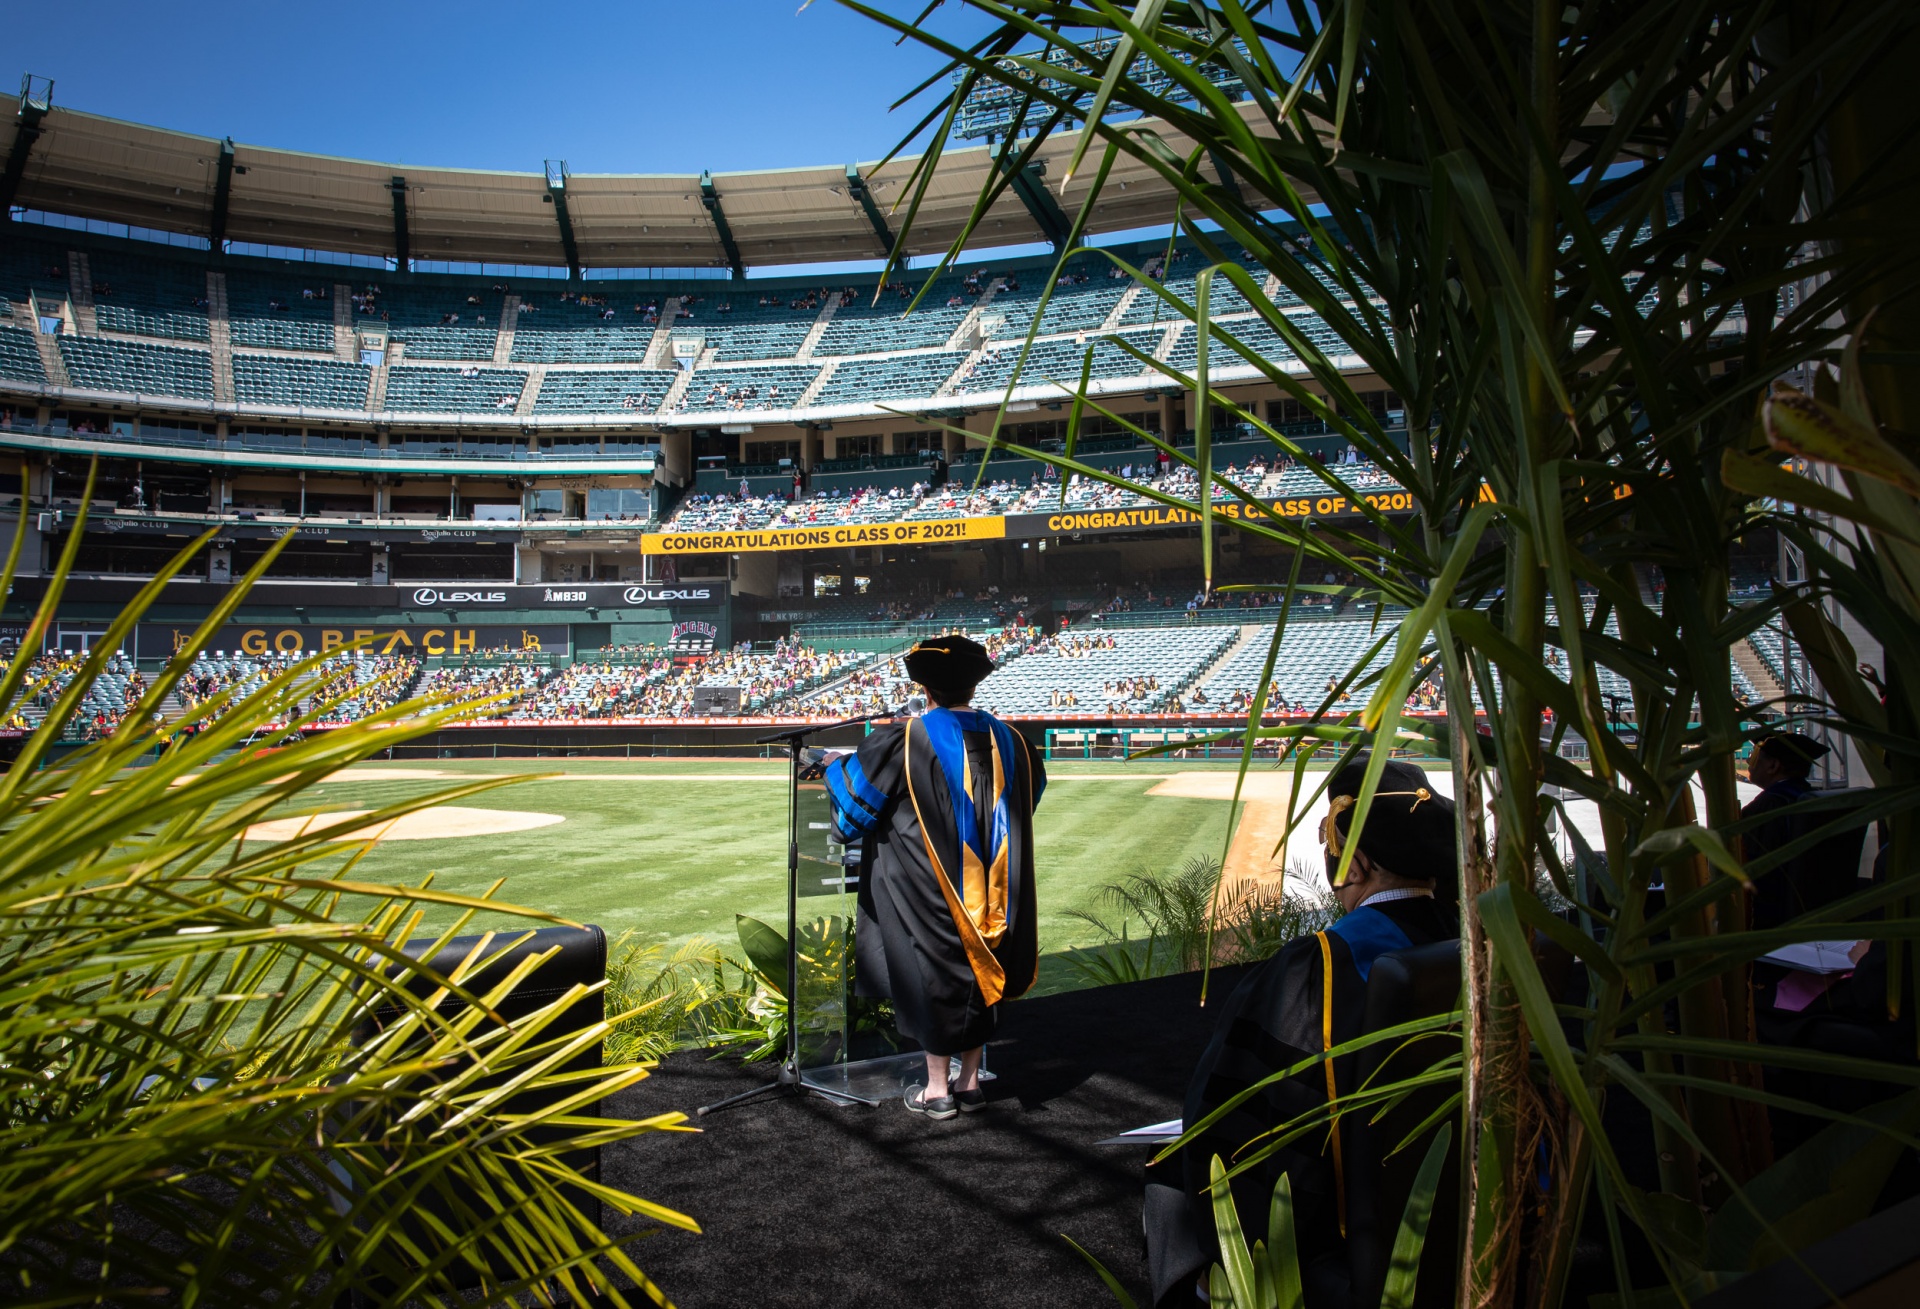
(581, 960)
(1404, 985)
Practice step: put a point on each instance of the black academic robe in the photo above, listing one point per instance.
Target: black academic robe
(1276, 1018)
(947, 929)
(1829, 871)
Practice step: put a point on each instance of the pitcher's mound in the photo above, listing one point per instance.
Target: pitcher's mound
(427, 825)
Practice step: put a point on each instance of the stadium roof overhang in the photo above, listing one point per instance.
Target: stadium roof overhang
(100, 168)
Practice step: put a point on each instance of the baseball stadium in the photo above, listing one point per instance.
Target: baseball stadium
(643, 509)
(1377, 543)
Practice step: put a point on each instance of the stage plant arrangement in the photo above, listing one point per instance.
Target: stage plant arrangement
(1188, 920)
(1583, 242)
(191, 1111)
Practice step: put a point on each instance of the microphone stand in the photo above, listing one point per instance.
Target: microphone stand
(789, 1080)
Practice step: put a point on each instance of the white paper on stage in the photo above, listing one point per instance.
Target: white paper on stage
(1151, 1134)
(1823, 957)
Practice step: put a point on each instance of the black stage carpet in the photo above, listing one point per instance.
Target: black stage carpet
(805, 1203)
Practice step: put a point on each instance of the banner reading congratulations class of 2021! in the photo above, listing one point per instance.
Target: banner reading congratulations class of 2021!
(1064, 522)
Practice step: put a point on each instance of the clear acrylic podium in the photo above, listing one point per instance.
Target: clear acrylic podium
(829, 877)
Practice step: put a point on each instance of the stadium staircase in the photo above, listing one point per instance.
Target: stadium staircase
(1748, 661)
(825, 689)
(828, 308)
(80, 293)
(956, 379)
(968, 335)
(677, 391)
(503, 345)
(343, 323)
(1248, 631)
(1118, 313)
(536, 374)
(377, 379)
(220, 337)
(817, 385)
(1164, 350)
(660, 349)
(173, 708)
(51, 361)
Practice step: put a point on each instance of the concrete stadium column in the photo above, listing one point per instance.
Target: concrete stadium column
(676, 456)
(954, 443)
(1172, 414)
(526, 565)
(810, 444)
(757, 573)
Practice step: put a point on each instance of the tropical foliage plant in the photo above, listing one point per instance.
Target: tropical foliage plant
(694, 996)
(1580, 241)
(1188, 918)
(1266, 1273)
(193, 1108)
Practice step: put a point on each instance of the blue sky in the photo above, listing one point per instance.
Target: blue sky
(641, 86)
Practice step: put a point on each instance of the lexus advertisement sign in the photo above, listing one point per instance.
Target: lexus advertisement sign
(597, 595)
(435, 598)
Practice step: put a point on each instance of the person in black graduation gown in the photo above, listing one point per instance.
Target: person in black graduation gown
(1310, 997)
(1780, 766)
(947, 925)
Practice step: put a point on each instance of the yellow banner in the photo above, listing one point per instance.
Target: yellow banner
(824, 538)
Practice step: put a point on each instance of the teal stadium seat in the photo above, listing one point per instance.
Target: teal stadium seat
(136, 368)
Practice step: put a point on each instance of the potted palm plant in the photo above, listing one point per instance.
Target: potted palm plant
(1581, 241)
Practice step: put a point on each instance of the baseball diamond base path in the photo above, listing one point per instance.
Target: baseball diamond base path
(434, 824)
(1257, 856)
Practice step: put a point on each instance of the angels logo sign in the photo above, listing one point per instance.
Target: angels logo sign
(707, 630)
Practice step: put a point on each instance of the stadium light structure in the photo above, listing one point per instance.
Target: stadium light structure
(858, 189)
(989, 110)
(557, 197)
(222, 195)
(1030, 186)
(711, 199)
(36, 100)
(402, 253)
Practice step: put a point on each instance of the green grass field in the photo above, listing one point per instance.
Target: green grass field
(674, 849)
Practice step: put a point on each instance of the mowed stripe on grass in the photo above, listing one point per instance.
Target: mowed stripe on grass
(675, 863)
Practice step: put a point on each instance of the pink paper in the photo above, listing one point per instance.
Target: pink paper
(1798, 990)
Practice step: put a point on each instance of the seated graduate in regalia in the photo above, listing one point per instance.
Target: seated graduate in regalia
(1400, 891)
(947, 925)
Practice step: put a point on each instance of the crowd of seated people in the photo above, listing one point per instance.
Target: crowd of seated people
(773, 677)
(725, 393)
(115, 692)
(885, 685)
(869, 691)
(960, 497)
(1425, 699)
(1078, 645)
(643, 682)
(601, 688)
(508, 684)
(361, 685)
(347, 687)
